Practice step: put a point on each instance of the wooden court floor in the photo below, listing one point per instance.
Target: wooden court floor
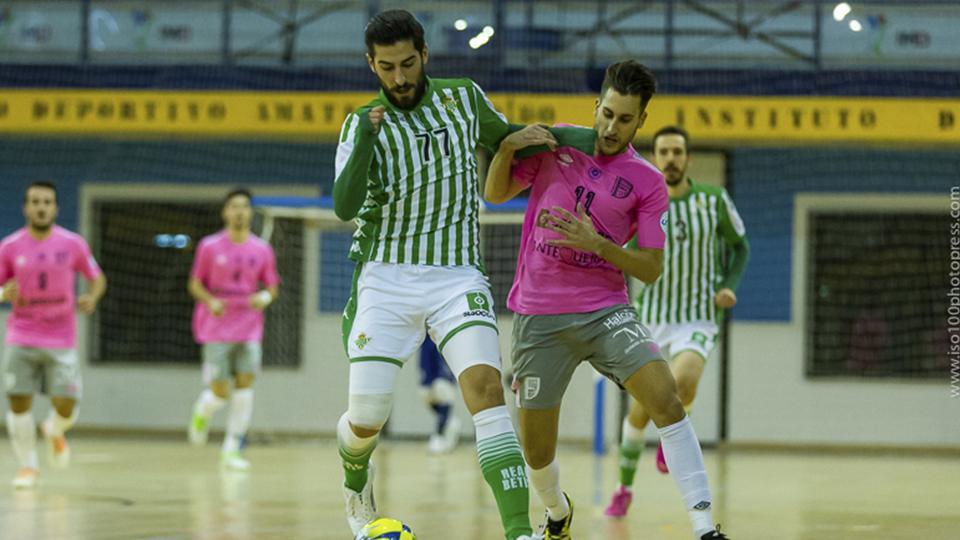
(126, 489)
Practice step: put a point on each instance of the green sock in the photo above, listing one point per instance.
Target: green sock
(629, 456)
(505, 471)
(355, 468)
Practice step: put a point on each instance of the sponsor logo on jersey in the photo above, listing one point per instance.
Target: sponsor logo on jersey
(478, 305)
(622, 188)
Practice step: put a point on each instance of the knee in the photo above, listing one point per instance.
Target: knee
(20, 404)
(367, 413)
(244, 380)
(221, 389)
(665, 409)
(63, 406)
(538, 456)
(687, 389)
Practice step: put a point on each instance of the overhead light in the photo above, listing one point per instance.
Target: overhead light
(488, 30)
(460, 24)
(841, 10)
(855, 25)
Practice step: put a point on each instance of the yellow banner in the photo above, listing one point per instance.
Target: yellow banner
(719, 120)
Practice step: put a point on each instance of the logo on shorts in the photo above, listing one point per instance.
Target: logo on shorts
(362, 341)
(531, 388)
(699, 338)
(702, 505)
(478, 305)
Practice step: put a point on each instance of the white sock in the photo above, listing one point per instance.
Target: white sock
(208, 403)
(349, 441)
(23, 437)
(57, 425)
(681, 450)
(546, 482)
(631, 435)
(241, 410)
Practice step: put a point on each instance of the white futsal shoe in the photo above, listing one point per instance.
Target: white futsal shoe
(361, 507)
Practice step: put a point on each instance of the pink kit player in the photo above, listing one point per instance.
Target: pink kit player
(587, 201)
(228, 270)
(38, 267)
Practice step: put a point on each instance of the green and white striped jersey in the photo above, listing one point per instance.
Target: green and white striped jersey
(699, 225)
(422, 200)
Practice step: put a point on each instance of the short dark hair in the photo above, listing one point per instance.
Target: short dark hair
(392, 26)
(672, 130)
(41, 184)
(630, 78)
(238, 191)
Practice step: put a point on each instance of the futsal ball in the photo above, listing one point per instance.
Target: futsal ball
(385, 529)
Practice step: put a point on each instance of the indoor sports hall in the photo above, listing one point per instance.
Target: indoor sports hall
(829, 403)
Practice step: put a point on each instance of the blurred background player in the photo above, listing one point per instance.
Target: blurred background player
(418, 260)
(570, 295)
(684, 307)
(439, 390)
(228, 322)
(38, 267)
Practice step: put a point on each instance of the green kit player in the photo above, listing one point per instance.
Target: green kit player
(406, 172)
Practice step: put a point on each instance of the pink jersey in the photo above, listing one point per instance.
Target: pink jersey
(45, 271)
(232, 273)
(624, 194)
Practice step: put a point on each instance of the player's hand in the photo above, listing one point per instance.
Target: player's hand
(725, 298)
(532, 135)
(376, 116)
(258, 302)
(216, 307)
(577, 230)
(10, 292)
(87, 304)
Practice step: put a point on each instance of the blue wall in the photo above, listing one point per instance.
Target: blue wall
(765, 181)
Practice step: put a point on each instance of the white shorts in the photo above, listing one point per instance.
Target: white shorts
(699, 337)
(394, 305)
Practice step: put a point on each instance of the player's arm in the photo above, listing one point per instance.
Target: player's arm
(734, 236)
(8, 285)
(271, 281)
(96, 288)
(195, 286)
(353, 161)
(501, 184)
(645, 264)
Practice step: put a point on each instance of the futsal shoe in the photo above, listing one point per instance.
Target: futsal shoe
(361, 507)
(198, 430)
(557, 530)
(445, 442)
(661, 461)
(234, 461)
(57, 447)
(26, 478)
(714, 535)
(622, 498)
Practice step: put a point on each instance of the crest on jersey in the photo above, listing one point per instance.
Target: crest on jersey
(531, 387)
(621, 188)
(362, 340)
(449, 103)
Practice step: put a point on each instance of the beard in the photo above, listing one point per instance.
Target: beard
(42, 226)
(674, 177)
(406, 102)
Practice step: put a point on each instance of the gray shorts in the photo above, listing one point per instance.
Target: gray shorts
(222, 361)
(548, 348)
(31, 370)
